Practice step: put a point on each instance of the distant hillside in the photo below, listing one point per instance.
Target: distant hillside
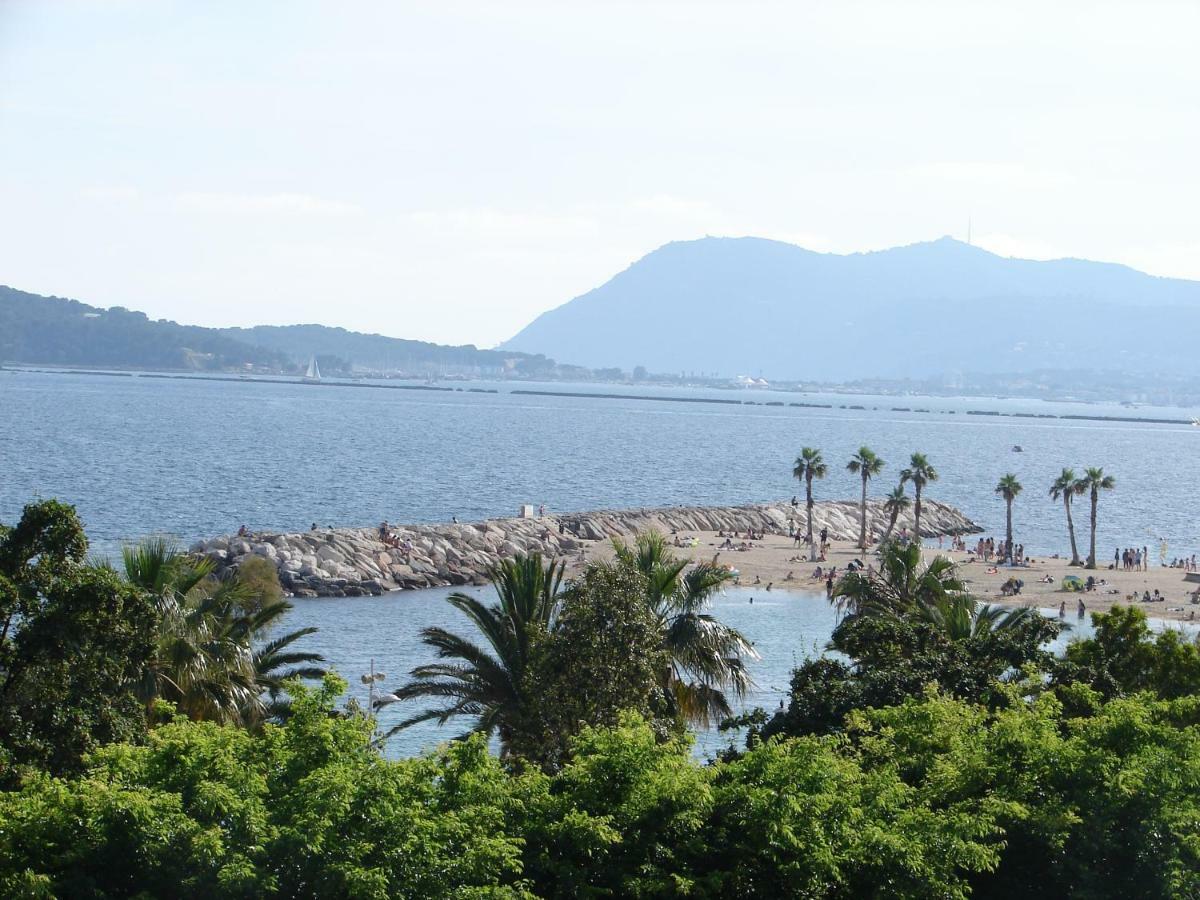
(56, 331)
(753, 306)
(373, 351)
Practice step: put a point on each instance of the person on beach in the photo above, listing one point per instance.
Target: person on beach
(1082, 609)
(1062, 610)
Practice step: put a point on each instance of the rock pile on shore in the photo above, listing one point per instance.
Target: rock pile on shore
(355, 562)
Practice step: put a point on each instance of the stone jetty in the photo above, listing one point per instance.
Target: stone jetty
(356, 562)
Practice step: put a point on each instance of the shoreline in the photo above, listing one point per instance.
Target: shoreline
(771, 560)
(611, 395)
(340, 562)
(354, 562)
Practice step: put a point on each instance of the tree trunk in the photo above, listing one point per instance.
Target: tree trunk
(1091, 563)
(917, 513)
(812, 546)
(1008, 529)
(862, 534)
(1075, 561)
(891, 526)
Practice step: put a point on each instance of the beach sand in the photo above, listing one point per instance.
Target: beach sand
(771, 559)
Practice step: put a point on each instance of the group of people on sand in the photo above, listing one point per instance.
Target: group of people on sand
(800, 539)
(1187, 563)
(1001, 551)
(1131, 559)
(743, 542)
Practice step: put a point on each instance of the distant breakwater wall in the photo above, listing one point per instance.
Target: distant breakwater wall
(356, 562)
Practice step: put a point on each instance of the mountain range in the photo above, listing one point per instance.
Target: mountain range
(765, 308)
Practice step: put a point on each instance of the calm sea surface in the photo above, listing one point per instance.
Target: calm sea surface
(194, 458)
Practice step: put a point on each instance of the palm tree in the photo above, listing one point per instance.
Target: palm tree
(1093, 482)
(1067, 486)
(962, 617)
(1008, 488)
(865, 464)
(897, 502)
(205, 659)
(487, 681)
(809, 465)
(707, 657)
(920, 473)
(275, 664)
(900, 584)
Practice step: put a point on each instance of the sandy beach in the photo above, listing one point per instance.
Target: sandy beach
(771, 560)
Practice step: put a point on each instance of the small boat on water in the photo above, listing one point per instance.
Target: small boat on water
(314, 371)
(1017, 448)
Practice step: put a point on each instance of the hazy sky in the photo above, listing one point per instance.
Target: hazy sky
(446, 170)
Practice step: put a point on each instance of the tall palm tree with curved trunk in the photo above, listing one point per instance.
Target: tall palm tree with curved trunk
(486, 681)
(1008, 488)
(809, 465)
(896, 503)
(1067, 487)
(920, 473)
(707, 657)
(1092, 483)
(866, 465)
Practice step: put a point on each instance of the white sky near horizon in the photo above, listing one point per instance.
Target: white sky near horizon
(446, 171)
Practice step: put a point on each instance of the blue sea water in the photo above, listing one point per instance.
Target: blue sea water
(194, 458)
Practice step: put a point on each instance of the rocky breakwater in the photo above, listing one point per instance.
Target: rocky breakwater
(355, 562)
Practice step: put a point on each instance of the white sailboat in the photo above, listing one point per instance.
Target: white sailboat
(314, 371)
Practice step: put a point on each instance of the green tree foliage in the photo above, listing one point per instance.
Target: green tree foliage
(307, 810)
(706, 658)
(74, 639)
(605, 657)
(1123, 656)
(535, 648)
(216, 656)
(488, 684)
(934, 797)
(909, 626)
